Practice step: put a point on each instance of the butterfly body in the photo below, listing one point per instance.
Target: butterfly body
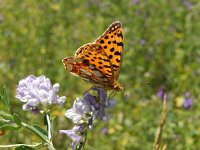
(99, 62)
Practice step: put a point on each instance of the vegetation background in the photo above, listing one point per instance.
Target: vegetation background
(162, 50)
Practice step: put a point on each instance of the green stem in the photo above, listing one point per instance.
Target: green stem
(16, 145)
(49, 127)
(82, 145)
(157, 141)
(50, 146)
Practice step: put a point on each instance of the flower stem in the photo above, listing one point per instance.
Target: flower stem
(48, 118)
(16, 145)
(157, 141)
(49, 127)
(82, 145)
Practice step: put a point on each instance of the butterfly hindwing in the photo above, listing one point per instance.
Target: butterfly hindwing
(85, 71)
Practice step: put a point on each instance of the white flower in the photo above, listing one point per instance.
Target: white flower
(35, 91)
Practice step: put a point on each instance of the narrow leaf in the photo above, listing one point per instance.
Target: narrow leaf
(3, 97)
(52, 126)
(9, 127)
(45, 120)
(3, 121)
(5, 115)
(38, 132)
(17, 120)
(40, 129)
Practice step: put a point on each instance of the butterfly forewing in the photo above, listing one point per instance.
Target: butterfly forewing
(99, 62)
(112, 43)
(94, 54)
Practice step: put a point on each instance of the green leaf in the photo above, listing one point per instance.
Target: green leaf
(17, 120)
(3, 97)
(52, 125)
(40, 129)
(3, 121)
(9, 127)
(5, 115)
(45, 120)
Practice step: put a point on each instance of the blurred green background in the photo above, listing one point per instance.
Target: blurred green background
(161, 50)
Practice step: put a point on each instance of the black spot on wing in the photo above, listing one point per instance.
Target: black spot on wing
(112, 49)
(100, 62)
(109, 71)
(106, 60)
(86, 62)
(115, 66)
(120, 35)
(120, 44)
(102, 41)
(106, 66)
(100, 58)
(117, 60)
(117, 53)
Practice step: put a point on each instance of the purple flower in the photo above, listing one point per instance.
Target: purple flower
(104, 131)
(38, 91)
(161, 94)
(90, 107)
(85, 110)
(1, 18)
(188, 4)
(187, 102)
(142, 42)
(74, 135)
(134, 2)
(79, 112)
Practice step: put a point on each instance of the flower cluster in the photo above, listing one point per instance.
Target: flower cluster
(38, 91)
(84, 111)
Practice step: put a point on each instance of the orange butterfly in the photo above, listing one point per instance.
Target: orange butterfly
(100, 62)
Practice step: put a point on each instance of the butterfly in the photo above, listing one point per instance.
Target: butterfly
(100, 62)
